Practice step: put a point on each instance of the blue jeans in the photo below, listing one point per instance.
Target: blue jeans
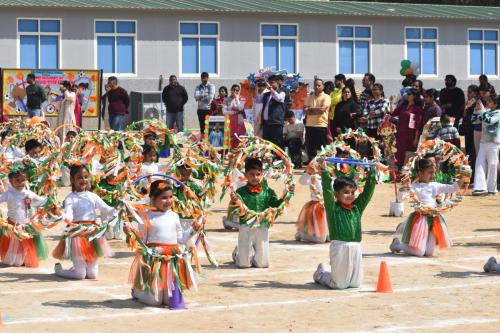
(34, 112)
(177, 118)
(116, 122)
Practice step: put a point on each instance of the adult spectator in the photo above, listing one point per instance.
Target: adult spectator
(104, 107)
(355, 92)
(483, 79)
(316, 109)
(375, 110)
(409, 115)
(118, 103)
(419, 86)
(35, 96)
(452, 99)
(336, 98)
(345, 111)
(329, 87)
(471, 130)
(66, 117)
(273, 111)
(204, 94)
(367, 82)
(175, 97)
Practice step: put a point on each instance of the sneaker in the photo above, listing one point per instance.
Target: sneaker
(317, 275)
(492, 193)
(487, 267)
(297, 237)
(393, 246)
(478, 193)
(57, 267)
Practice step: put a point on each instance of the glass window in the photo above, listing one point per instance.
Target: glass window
(421, 46)
(279, 46)
(483, 52)
(39, 43)
(199, 47)
(116, 46)
(270, 30)
(354, 49)
(27, 26)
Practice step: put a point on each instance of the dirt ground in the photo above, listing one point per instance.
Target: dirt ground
(446, 293)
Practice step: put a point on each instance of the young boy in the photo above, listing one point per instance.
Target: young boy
(448, 132)
(344, 224)
(485, 177)
(33, 148)
(253, 243)
(293, 135)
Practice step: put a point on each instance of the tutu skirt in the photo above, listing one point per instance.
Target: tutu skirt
(312, 225)
(25, 252)
(418, 228)
(155, 276)
(82, 248)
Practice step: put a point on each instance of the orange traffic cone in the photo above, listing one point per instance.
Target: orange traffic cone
(384, 282)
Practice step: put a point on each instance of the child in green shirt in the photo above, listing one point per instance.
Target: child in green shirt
(344, 223)
(253, 242)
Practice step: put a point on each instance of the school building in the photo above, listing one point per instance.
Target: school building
(138, 41)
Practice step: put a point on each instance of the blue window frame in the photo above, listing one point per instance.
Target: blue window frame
(354, 49)
(199, 47)
(39, 43)
(483, 52)
(279, 46)
(421, 48)
(116, 46)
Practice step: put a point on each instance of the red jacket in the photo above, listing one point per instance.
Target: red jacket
(118, 101)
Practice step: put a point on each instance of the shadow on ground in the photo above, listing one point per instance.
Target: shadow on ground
(9, 277)
(87, 304)
(461, 275)
(262, 284)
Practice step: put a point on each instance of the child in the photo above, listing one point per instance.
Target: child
(19, 200)
(217, 103)
(293, 135)
(70, 135)
(311, 224)
(150, 140)
(163, 233)
(216, 137)
(253, 243)
(8, 151)
(79, 208)
(448, 132)
(344, 223)
(485, 177)
(149, 167)
(422, 232)
(33, 148)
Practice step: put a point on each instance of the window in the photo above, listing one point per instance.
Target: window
(421, 46)
(354, 49)
(39, 43)
(279, 46)
(199, 47)
(116, 46)
(483, 45)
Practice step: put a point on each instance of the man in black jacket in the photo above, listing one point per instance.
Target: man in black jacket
(174, 96)
(273, 111)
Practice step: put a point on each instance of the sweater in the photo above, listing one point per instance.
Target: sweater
(35, 96)
(490, 123)
(174, 98)
(118, 101)
(344, 224)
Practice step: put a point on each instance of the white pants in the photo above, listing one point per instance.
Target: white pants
(477, 140)
(158, 298)
(485, 178)
(80, 270)
(253, 247)
(347, 266)
(429, 249)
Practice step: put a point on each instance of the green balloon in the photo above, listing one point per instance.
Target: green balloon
(405, 64)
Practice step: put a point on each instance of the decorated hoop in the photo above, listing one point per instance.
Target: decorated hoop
(456, 168)
(276, 165)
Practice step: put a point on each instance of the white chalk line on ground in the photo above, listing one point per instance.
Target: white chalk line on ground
(358, 293)
(446, 323)
(256, 272)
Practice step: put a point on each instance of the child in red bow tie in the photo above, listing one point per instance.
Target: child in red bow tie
(344, 212)
(253, 242)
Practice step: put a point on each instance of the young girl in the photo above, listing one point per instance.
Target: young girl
(234, 106)
(20, 200)
(149, 167)
(423, 232)
(311, 224)
(79, 208)
(163, 233)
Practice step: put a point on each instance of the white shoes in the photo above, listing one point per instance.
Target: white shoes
(319, 272)
(394, 244)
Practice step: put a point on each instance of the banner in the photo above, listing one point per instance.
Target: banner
(87, 83)
(217, 131)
